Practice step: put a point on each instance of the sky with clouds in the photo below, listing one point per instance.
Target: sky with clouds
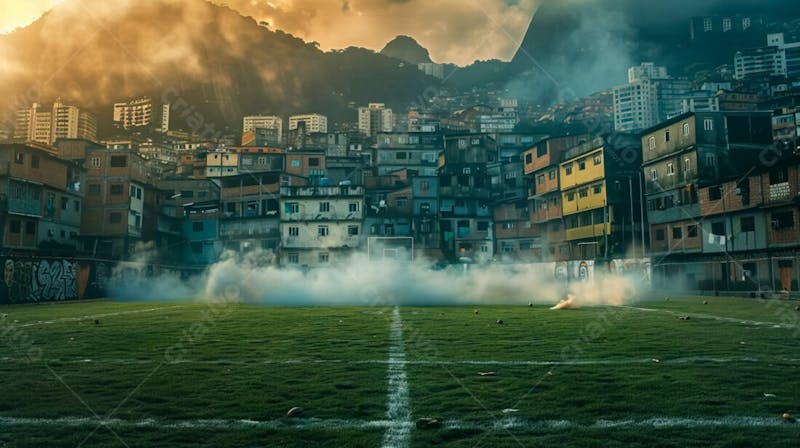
(459, 31)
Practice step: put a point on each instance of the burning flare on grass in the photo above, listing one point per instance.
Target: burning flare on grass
(569, 304)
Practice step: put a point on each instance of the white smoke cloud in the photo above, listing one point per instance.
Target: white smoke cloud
(364, 282)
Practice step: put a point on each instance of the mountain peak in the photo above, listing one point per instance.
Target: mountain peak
(406, 49)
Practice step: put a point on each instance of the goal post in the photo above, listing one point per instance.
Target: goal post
(395, 248)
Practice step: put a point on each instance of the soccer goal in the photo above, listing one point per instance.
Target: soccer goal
(396, 248)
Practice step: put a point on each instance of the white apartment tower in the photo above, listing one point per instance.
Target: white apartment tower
(374, 119)
(252, 122)
(61, 121)
(133, 114)
(314, 123)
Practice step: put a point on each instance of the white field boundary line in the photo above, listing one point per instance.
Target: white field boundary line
(733, 320)
(398, 434)
(96, 316)
(509, 423)
(399, 362)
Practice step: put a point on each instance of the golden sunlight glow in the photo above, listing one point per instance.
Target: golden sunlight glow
(16, 13)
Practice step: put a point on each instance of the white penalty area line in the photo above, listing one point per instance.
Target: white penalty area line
(398, 433)
(733, 320)
(95, 316)
(504, 424)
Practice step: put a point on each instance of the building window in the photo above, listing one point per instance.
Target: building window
(540, 179)
(687, 165)
(582, 164)
(77, 205)
(528, 158)
(353, 207)
(197, 226)
(670, 169)
(324, 207)
(677, 233)
(115, 218)
(34, 161)
(116, 189)
(483, 226)
(748, 224)
(660, 235)
(352, 230)
(718, 228)
(293, 258)
(323, 231)
(568, 169)
(425, 186)
(400, 155)
(570, 197)
(95, 162)
(64, 203)
(666, 136)
(30, 228)
(653, 174)
(19, 158)
(508, 225)
(324, 257)
(119, 161)
(783, 220)
(14, 226)
(292, 208)
(313, 161)
(714, 193)
(686, 129)
(652, 143)
(466, 171)
(691, 231)
(598, 160)
(583, 192)
(552, 174)
(708, 124)
(294, 231)
(295, 163)
(597, 189)
(402, 202)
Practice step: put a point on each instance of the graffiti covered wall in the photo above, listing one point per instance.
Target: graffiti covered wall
(52, 280)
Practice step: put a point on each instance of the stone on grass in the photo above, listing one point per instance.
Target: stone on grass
(428, 423)
(295, 412)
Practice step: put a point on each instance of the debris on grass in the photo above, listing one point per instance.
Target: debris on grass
(530, 304)
(499, 321)
(97, 321)
(428, 423)
(705, 302)
(487, 373)
(475, 312)
(769, 395)
(655, 360)
(510, 410)
(295, 412)
(684, 317)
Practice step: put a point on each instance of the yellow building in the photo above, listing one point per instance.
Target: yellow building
(599, 184)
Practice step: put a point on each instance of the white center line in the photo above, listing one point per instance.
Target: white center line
(399, 413)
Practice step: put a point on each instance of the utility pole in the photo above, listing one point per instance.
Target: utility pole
(641, 213)
(633, 222)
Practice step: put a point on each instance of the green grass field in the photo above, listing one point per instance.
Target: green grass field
(186, 375)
